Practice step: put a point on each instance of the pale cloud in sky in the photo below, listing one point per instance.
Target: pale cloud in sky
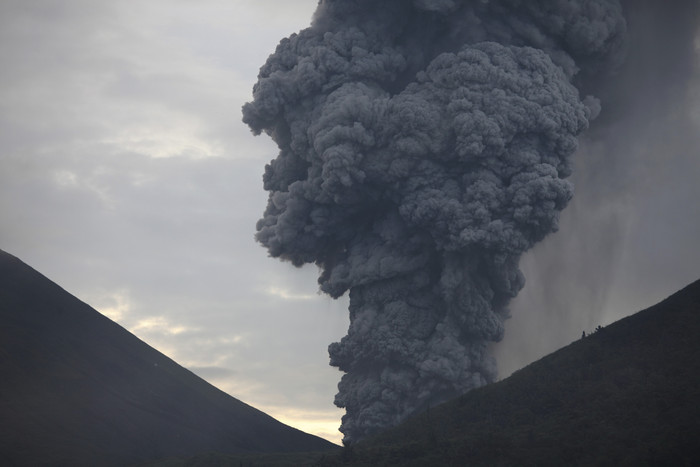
(127, 176)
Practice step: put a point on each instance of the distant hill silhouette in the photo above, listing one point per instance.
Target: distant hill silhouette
(78, 389)
(628, 394)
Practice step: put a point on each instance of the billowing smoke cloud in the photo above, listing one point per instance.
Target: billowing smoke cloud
(424, 146)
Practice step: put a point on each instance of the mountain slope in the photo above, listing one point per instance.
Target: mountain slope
(627, 395)
(78, 389)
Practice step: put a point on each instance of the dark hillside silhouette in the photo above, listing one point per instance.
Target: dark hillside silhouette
(627, 394)
(78, 389)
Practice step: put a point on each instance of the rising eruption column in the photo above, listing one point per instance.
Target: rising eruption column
(423, 147)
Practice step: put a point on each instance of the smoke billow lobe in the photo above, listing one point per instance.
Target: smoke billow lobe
(423, 147)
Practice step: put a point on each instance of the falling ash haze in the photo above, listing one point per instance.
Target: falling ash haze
(424, 146)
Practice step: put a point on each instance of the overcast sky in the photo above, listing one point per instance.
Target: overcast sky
(127, 177)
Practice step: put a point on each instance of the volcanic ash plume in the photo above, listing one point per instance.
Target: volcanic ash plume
(424, 146)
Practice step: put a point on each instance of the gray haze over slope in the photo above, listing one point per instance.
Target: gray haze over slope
(629, 236)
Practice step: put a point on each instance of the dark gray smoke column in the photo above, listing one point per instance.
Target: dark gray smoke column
(424, 146)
